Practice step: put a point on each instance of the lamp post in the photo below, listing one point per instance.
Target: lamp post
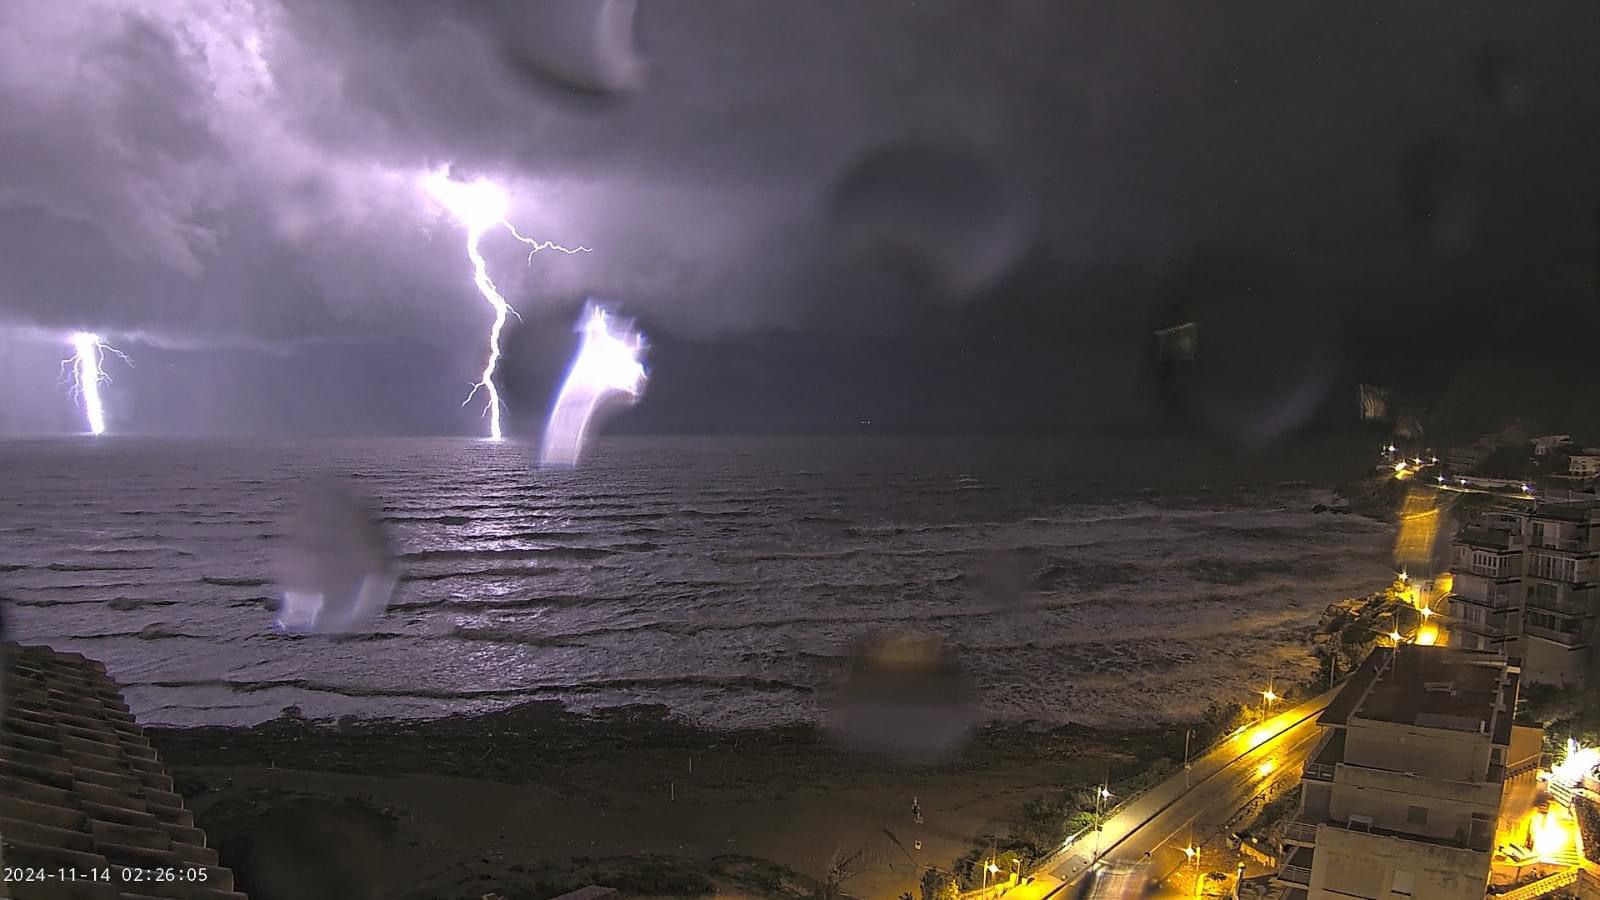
(1101, 795)
(1267, 696)
(1186, 736)
(1193, 853)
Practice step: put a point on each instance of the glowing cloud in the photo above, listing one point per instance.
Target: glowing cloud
(87, 374)
(606, 365)
(479, 206)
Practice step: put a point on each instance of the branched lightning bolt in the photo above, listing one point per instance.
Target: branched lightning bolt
(536, 246)
(480, 206)
(86, 374)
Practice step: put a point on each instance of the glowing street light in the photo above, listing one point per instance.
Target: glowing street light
(1395, 636)
(1193, 853)
(1268, 696)
(1426, 612)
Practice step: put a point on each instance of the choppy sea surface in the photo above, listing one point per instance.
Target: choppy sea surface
(1110, 582)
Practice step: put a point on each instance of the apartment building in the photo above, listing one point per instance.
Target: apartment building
(1528, 584)
(1561, 587)
(1485, 605)
(1402, 797)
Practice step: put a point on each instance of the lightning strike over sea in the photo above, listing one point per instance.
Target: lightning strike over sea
(87, 374)
(480, 205)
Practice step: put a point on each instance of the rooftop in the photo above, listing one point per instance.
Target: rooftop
(1492, 538)
(81, 787)
(1567, 511)
(1441, 687)
(1345, 702)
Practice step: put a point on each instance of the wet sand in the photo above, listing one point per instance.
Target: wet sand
(534, 800)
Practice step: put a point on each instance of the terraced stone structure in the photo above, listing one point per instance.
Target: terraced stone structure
(86, 809)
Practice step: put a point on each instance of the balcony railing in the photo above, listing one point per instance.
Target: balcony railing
(1301, 833)
(1547, 885)
(1296, 874)
(1564, 638)
(1488, 630)
(1567, 545)
(1531, 764)
(1483, 571)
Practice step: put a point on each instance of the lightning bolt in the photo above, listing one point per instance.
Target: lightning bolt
(480, 206)
(86, 375)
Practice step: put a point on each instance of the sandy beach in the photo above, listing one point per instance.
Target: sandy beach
(536, 800)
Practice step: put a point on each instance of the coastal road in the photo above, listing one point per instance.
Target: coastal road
(1219, 784)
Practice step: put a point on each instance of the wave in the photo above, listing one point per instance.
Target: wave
(90, 567)
(431, 520)
(153, 632)
(128, 604)
(514, 553)
(492, 571)
(737, 682)
(620, 517)
(1078, 574)
(228, 581)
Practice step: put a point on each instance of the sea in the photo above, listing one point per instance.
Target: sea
(1111, 582)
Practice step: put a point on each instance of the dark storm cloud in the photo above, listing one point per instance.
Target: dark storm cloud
(245, 171)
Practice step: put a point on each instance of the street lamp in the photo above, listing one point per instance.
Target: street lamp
(1395, 636)
(1267, 697)
(1193, 853)
(1101, 795)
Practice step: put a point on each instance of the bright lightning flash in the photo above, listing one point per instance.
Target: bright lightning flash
(481, 205)
(87, 374)
(607, 364)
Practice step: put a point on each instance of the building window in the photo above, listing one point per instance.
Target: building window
(1543, 593)
(1416, 815)
(1553, 567)
(1404, 882)
(1550, 622)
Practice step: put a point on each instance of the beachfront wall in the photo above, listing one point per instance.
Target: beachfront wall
(1356, 864)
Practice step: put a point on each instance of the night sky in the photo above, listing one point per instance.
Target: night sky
(929, 215)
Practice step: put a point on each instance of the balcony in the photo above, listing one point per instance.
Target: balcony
(1303, 833)
(1494, 630)
(1322, 763)
(1566, 639)
(1479, 838)
(1297, 870)
(1564, 599)
(1496, 573)
(1499, 601)
(1560, 545)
